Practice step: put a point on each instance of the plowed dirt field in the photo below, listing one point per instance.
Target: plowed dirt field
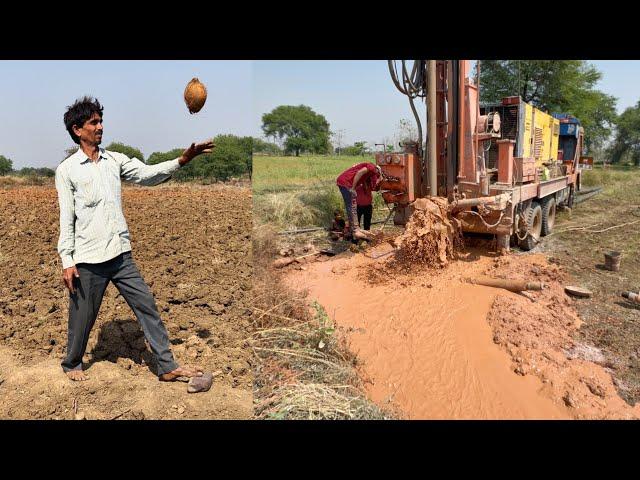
(192, 246)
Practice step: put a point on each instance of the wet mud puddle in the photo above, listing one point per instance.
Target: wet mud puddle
(424, 342)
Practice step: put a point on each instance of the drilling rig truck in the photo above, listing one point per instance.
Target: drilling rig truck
(504, 168)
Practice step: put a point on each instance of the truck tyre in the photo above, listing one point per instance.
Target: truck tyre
(533, 215)
(548, 205)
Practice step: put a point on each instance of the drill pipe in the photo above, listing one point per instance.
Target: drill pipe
(511, 285)
(634, 297)
(501, 200)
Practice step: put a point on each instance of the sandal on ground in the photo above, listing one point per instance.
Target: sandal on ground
(188, 372)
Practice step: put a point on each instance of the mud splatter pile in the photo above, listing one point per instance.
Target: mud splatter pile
(431, 236)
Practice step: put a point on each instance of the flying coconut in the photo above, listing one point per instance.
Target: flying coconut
(195, 95)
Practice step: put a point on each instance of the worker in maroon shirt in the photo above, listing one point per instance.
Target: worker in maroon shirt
(364, 200)
(347, 182)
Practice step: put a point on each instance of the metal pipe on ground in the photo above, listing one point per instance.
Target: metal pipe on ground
(511, 285)
(586, 196)
(588, 190)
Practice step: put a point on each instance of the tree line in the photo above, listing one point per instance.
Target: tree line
(554, 86)
(232, 157)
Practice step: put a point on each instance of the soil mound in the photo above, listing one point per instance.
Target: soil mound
(431, 236)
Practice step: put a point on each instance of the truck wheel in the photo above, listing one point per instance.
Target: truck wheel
(548, 215)
(533, 214)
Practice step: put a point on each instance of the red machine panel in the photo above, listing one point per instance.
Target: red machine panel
(404, 184)
(525, 170)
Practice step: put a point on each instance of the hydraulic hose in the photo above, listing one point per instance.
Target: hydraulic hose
(413, 85)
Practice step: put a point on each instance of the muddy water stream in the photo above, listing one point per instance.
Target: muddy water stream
(424, 341)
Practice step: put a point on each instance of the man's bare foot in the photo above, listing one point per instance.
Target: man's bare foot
(77, 375)
(182, 372)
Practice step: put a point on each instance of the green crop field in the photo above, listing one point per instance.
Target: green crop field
(297, 192)
(277, 174)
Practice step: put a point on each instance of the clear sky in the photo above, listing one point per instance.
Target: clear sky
(143, 104)
(360, 98)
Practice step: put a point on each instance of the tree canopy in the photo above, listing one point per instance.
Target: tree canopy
(128, 150)
(303, 129)
(358, 148)
(556, 86)
(261, 146)
(231, 157)
(35, 172)
(627, 138)
(6, 165)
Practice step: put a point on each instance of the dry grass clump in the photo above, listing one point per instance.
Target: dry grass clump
(304, 369)
(318, 402)
(8, 181)
(29, 180)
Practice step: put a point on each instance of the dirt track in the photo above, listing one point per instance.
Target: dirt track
(433, 346)
(192, 246)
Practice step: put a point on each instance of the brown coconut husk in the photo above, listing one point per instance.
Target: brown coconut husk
(195, 95)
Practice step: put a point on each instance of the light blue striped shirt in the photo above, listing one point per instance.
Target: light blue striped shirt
(92, 226)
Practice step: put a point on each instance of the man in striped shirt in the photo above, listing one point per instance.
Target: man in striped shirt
(94, 243)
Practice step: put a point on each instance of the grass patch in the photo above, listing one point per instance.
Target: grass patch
(299, 192)
(304, 368)
(616, 181)
(29, 180)
(278, 174)
(306, 208)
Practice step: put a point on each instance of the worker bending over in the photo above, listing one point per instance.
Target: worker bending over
(348, 181)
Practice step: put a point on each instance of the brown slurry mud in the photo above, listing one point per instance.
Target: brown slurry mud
(192, 246)
(541, 338)
(433, 346)
(431, 236)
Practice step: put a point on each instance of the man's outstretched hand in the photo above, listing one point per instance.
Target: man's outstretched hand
(68, 274)
(196, 149)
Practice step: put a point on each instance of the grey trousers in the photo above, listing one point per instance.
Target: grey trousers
(84, 305)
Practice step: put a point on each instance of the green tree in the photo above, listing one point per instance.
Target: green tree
(6, 165)
(45, 172)
(627, 138)
(555, 86)
(302, 128)
(231, 157)
(35, 172)
(269, 148)
(358, 148)
(126, 149)
(185, 172)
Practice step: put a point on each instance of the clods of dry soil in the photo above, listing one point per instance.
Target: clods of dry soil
(192, 246)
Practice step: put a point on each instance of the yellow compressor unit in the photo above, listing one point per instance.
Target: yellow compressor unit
(534, 131)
